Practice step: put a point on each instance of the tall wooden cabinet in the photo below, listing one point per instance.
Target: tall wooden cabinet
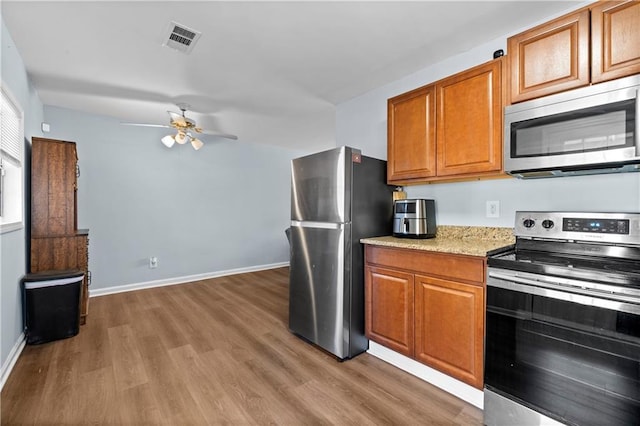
(428, 306)
(598, 43)
(449, 130)
(56, 242)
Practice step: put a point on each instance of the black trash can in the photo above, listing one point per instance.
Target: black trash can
(52, 305)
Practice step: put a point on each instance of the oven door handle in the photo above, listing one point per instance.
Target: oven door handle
(524, 285)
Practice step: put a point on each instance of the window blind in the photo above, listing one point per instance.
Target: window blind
(10, 129)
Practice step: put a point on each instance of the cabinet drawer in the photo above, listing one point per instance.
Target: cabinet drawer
(452, 266)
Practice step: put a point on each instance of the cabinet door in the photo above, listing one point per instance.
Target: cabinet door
(615, 40)
(450, 327)
(550, 58)
(389, 308)
(53, 187)
(411, 136)
(469, 121)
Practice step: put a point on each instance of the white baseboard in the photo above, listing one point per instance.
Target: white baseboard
(455, 387)
(181, 280)
(7, 367)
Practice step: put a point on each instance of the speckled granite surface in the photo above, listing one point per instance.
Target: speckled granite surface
(469, 240)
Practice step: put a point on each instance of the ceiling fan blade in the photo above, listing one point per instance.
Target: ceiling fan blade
(212, 133)
(145, 125)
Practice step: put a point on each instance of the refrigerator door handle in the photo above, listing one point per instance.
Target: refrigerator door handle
(323, 225)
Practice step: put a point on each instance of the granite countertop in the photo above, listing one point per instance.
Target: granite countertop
(469, 240)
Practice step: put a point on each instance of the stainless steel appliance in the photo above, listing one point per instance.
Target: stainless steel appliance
(562, 340)
(337, 198)
(589, 130)
(414, 218)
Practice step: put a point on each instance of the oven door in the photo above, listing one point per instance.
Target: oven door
(560, 354)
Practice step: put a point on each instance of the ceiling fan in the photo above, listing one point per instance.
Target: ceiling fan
(186, 128)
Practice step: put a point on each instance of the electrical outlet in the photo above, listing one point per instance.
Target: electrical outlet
(153, 262)
(493, 208)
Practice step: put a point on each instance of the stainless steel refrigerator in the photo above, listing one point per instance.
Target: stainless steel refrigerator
(337, 198)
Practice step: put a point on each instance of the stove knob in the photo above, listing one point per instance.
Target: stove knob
(529, 223)
(547, 224)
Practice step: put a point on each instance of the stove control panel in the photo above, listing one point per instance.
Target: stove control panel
(621, 228)
(605, 226)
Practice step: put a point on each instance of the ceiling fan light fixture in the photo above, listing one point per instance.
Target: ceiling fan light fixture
(196, 143)
(168, 141)
(182, 138)
(185, 128)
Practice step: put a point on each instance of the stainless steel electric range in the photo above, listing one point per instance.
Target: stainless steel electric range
(563, 321)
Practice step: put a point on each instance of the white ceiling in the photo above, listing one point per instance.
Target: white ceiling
(270, 72)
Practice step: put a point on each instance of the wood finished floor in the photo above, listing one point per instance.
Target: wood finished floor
(215, 351)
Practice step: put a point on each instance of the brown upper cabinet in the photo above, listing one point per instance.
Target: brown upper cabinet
(411, 135)
(594, 44)
(449, 130)
(615, 40)
(469, 122)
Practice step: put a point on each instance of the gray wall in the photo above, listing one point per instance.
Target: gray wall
(12, 244)
(222, 208)
(362, 122)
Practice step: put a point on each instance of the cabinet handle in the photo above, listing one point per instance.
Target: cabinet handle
(88, 278)
(77, 170)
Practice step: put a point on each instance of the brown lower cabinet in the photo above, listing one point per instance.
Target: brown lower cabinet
(428, 306)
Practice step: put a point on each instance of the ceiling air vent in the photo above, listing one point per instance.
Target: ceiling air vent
(180, 37)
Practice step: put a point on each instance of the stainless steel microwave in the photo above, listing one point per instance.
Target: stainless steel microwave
(590, 130)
